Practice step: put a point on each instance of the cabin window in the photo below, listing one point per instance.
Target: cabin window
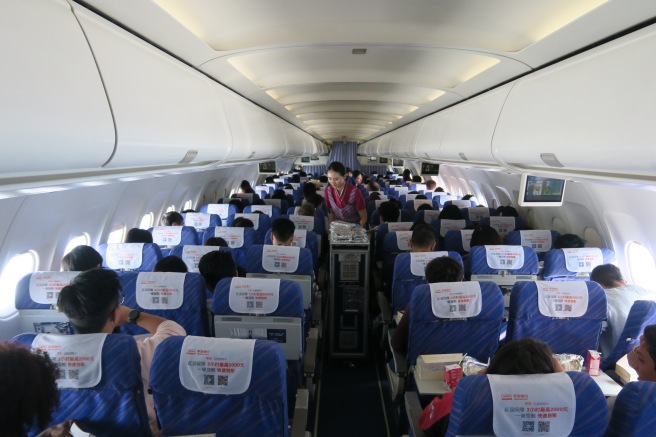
(116, 236)
(170, 208)
(641, 265)
(80, 240)
(147, 221)
(17, 267)
(189, 204)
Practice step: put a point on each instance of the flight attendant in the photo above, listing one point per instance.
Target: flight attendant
(344, 201)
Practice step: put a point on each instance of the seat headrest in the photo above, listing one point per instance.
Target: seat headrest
(124, 255)
(160, 290)
(254, 295)
(456, 300)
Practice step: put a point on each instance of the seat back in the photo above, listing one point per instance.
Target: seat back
(311, 242)
(573, 335)
(503, 224)
(492, 260)
(382, 230)
(238, 241)
(394, 242)
(539, 240)
(634, 412)
(125, 256)
(460, 203)
(472, 408)
(476, 214)
(168, 236)
(36, 300)
(261, 410)
(159, 293)
(201, 220)
(440, 199)
(458, 240)
(262, 223)
(223, 211)
(191, 254)
(114, 406)
(426, 216)
(405, 280)
(446, 225)
(641, 315)
(253, 261)
(477, 336)
(574, 264)
(272, 211)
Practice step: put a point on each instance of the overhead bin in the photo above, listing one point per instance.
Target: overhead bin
(165, 112)
(592, 114)
(294, 137)
(430, 136)
(403, 141)
(54, 114)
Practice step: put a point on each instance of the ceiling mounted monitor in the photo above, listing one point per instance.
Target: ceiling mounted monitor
(383, 160)
(541, 191)
(397, 163)
(430, 169)
(268, 167)
(305, 159)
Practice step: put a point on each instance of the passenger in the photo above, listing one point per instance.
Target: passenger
(214, 266)
(467, 197)
(431, 185)
(92, 304)
(245, 187)
(358, 177)
(80, 259)
(172, 218)
(407, 175)
(28, 392)
(424, 207)
(423, 238)
(187, 211)
(282, 232)
(417, 179)
(295, 179)
(136, 235)
(307, 210)
(643, 357)
(450, 212)
(568, 241)
(242, 222)
(373, 196)
(621, 297)
(279, 194)
(484, 235)
(525, 356)
(442, 269)
(309, 189)
(315, 200)
(216, 241)
(372, 186)
(302, 174)
(507, 211)
(388, 212)
(323, 179)
(171, 263)
(344, 201)
(421, 197)
(439, 190)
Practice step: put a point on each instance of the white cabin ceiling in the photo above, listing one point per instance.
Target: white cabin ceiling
(295, 57)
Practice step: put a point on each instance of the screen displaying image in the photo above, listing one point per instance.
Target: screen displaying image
(383, 160)
(397, 163)
(267, 167)
(305, 159)
(543, 190)
(428, 168)
(315, 158)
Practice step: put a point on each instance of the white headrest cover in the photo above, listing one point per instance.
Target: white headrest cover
(538, 240)
(418, 261)
(583, 259)
(409, 197)
(45, 286)
(419, 202)
(476, 213)
(220, 209)
(273, 202)
(191, 255)
(505, 257)
(300, 238)
(280, 259)
(233, 236)
(254, 296)
(430, 215)
(466, 236)
(447, 225)
(78, 357)
(461, 203)
(267, 209)
(167, 235)
(456, 300)
(160, 290)
(562, 299)
(399, 226)
(124, 255)
(255, 218)
(302, 221)
(502, 225)
(197, 220)
(403, 239)
(220, 366)
(532, 405)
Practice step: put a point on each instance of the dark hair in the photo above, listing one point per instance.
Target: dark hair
(242, 222)
(302, 174)
(439, 190)
(28, 389)
(357, 173)
(650, 338)
(81, 258)
(396, 202)
(315, 200)
(373, 186)
(484, 235)
(136, 235)
(282, 229)
(295, 178)
(606, 275)
(507, 211)
(90, 300)
(416, 179)
(171, 263)
(187, 211)
(406, 175)
(216, 265)
(306, 209)
(568, 241)
(309, 189)
(431, 184)
(388, 212)
(421, 197)
(323, 179)
(216, 241)
(374, 196)
(450, 212)
(424, 207)
(444, 269)
(467, 196)
(337, 167)
(172, 218)
(423, 236)
(245, 186)
(522, 357)
(279, 194)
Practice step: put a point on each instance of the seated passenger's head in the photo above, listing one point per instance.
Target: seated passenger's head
(485, 236)
(91, 301)
(608, 276)
(643, 357)
(374, 196)
(416, 179)
(216, 265)
(439, 189)
(237, 203)
(282, 232)
(568, 241)
(245, 187)
(309, 189)
(242, 222)
(136, 235)
(444, 269)
(172, 218)
(216, 241)
(525, 356)
(450, 212)
(315, 200)
(28, 389)
(81, 258)
(388, 212)
(373, 186)
(358, 176)
(170, 263)
(507, 211)
(307, 210)
(467, 197)
(423, 238)
(323, 179)
(296, 178)
(279, 194)
(431, 185)
(424, 207)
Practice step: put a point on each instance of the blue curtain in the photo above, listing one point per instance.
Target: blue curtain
(316, 170)
(346, 153)
(368, 169)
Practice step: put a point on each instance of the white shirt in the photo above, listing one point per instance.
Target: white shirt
(620, 300)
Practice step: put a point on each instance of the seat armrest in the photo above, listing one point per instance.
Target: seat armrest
(413, 411)
(300, 413)
(309, 363)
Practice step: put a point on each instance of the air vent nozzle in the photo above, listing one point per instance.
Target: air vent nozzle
(551, 160)
(190, 156)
